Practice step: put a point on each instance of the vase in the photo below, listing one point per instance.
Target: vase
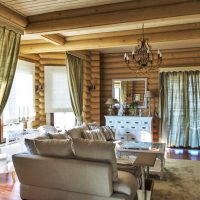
(133, 111)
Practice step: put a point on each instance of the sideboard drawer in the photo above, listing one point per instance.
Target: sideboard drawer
(131, 127)
(121, 137)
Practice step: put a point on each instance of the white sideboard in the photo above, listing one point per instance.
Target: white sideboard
(131, 127)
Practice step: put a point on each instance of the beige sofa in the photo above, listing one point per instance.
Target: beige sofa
(46, 177)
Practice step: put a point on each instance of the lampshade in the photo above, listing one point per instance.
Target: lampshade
(148, 94)
(111, 101)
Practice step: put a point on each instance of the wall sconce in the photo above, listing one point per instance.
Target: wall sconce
(39, 88)
(91, 87)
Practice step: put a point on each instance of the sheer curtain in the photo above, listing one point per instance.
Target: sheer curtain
(179, 108)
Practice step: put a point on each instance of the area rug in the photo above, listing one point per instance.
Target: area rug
(181, 182)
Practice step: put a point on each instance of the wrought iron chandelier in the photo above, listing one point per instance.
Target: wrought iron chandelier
(142, 55)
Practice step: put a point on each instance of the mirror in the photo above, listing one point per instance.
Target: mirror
(128, 90)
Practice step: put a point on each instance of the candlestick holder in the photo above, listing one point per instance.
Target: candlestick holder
(24, 122)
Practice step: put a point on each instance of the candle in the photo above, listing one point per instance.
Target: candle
(19, 113)
(23, 112)
(27, 112)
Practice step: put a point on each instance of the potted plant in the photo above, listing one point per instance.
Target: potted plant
(133, 108)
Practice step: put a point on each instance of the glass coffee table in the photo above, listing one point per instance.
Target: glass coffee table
(131, 148)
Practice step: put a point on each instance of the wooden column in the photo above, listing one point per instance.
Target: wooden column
(95, 79)
(40, 118)
(86, 92)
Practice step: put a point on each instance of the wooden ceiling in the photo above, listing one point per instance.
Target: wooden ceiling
(172, 24)
(35, 7)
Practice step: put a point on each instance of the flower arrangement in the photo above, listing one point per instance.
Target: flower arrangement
(133, 108)
(133, 105)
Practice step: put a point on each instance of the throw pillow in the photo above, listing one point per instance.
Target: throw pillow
(30, 143)
(108, 133)
(95, 134)
(30, 146)
(92, 126)
(96, 151)
(47, 129)
(76, 132)
(55, 148)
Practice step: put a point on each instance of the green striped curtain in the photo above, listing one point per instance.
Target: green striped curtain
(180, 108)
(9, 50)
(74, 67)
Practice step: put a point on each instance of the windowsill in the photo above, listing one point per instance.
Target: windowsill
(12, 142)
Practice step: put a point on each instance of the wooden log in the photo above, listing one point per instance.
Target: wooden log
(13, 16)
(166, 38)
(54, 39)
(164, 12)
(100, 9)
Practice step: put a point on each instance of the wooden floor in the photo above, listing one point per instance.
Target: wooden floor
(185, 154)
(10, 190)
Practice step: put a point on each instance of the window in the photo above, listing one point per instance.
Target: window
(21, 99)
(57, 98)
(64, 120)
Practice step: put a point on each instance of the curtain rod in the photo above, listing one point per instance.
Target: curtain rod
(179, 69)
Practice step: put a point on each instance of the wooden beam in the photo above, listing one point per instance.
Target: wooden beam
(12, 17)
(135, 32)
(34, 57)
(54, 39)
(101, 9)
(159, 39)
(164, 13)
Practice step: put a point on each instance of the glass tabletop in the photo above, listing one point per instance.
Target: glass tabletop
(142, 145)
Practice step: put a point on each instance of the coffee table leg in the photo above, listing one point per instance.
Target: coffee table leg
(143, 183)
(162, 159)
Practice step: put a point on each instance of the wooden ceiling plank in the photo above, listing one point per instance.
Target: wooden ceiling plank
(159, 12)
(119, 41)
(101, 9)
(13, 17)
(52, 6)
(54, 39)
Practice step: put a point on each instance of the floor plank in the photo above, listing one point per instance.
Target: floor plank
(9, 190)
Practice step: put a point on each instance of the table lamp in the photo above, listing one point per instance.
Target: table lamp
(110, 102)
(149, 95)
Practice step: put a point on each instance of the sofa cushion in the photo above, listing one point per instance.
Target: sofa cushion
(126, 184)
(95, 134)
(108, 133)
(55, 148)
(30, 143)
(96, 151)
(58, 136)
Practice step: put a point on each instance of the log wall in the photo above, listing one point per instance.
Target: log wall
(91, 64)
(113, 67)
